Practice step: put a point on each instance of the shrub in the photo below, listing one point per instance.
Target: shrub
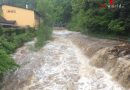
(6, 63)
(116, 26)
(90, 21)
(10, 40)
(43, 34)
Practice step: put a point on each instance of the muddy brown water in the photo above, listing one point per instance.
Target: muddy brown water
(59, 65)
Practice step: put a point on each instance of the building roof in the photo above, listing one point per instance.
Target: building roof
(4, 21)
(12, 5)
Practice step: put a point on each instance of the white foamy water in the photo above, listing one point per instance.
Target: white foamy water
(60, 65)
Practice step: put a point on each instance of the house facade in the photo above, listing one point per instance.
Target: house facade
(22, 16)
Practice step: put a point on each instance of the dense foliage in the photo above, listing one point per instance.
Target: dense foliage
(89, 17)
(61, 12)
(10, 40)
(92, 16)
(55, 12)
(45, 29)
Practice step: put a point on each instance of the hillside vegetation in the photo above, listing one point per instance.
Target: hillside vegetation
(10, 40)
(45, 29)
(88, 17)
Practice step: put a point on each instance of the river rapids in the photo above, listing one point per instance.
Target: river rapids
(59, 65)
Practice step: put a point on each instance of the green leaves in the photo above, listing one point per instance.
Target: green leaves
(8, 45)
(43, 34)
(86, 17)
(6, 63)
(116, 26)
(45, 7)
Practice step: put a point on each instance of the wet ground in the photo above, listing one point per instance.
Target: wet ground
(59, 65)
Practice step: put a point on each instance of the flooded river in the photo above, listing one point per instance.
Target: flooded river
(59, 65)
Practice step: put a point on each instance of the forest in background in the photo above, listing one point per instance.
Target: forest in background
(89, 18)
(92, 16)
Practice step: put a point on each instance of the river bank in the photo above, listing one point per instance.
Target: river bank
(112, 56)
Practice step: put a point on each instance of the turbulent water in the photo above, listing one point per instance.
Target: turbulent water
(59, 65)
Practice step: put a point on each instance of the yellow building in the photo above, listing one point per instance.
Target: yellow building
(23, 17)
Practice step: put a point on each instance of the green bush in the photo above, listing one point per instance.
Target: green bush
(116, 26)
(10, 40)
(88, 17)
(6, 62)
(89, 21)
(78, 22)
(43, 34)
